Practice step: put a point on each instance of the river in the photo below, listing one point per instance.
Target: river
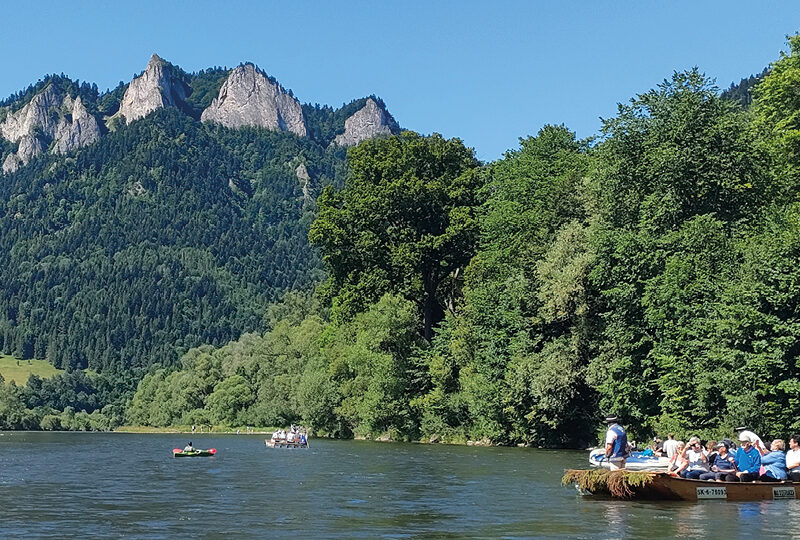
(108, 485)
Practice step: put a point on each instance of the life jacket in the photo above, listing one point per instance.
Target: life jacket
(620, 447)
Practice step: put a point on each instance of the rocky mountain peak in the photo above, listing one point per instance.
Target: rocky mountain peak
(50, 116)
(35, 114)
(80, 130)
(250, 98)
(370, 121)
(157, 87)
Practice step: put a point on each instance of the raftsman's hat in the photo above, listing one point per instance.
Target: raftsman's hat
(611, 419)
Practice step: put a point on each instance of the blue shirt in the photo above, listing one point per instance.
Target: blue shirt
(725, 463)
(748, 461)
(619, 447)
(775, 463)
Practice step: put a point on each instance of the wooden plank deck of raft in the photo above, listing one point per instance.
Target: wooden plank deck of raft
(283, 444)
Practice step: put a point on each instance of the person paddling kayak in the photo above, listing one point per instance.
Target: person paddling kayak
(189, 447)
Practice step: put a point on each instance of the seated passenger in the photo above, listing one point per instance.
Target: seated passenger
(697, 462)
(659, 447)
(723, 469)
(774, 462)
(188, 447)
(729, 444)
(793, 459)
(755, 440)
(678, 461)
(710, 452)
(747, 459)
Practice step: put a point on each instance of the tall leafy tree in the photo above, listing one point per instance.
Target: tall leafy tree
(404, 223)
(678, 173)
(492, 369)
(777, 114)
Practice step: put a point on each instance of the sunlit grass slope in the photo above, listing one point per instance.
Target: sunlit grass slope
(19, 370)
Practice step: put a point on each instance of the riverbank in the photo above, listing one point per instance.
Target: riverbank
(261, 430)
(242, 430)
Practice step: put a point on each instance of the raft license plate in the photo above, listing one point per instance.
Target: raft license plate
(712, 493)
(783, 493)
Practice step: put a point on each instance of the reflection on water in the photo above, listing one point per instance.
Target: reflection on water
(109, 485)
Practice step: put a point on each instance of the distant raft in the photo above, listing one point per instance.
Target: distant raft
(283, 443)
(177, 452)
(296, 437)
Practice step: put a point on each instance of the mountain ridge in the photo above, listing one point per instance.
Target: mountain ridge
(217, 94)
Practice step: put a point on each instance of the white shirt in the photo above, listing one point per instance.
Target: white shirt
(670, 447)
(695, 460)
(793, 457)
(610, 436)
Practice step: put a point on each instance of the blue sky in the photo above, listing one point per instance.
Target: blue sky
(487, 72)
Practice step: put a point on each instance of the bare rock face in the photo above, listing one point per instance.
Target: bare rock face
(30, 146)
(35, 114)
(157, 87)
(249, 98)
(11, 163)
(305, 180)
(368, 122)
(49, 116)
(82, 130)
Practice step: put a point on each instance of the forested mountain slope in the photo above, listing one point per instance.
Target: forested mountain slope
(160, 237)
(159, 232)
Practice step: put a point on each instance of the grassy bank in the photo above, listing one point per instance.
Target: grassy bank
(13, 369)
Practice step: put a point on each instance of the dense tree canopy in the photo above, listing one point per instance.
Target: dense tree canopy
(650, 273)
(404, 223)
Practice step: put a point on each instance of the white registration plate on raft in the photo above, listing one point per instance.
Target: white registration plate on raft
(783, 493)
(712, 493)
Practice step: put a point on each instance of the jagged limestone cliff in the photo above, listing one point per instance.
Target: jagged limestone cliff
(53, 120)
(157, 87)
(249, 98)
(368, 122)
(50, 116)
(81, 130)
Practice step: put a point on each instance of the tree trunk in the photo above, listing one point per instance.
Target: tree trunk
(432, 312)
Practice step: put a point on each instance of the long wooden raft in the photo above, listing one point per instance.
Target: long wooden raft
(661, 486)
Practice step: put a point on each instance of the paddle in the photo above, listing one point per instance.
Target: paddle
(213, 450)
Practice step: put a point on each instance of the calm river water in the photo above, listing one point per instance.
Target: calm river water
(61, 485)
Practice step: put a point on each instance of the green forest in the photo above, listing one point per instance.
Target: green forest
(651, 272)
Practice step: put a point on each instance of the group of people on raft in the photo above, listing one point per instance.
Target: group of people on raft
(293, 435)
(722, 461)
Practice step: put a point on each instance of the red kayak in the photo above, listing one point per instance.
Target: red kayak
(177, 452)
